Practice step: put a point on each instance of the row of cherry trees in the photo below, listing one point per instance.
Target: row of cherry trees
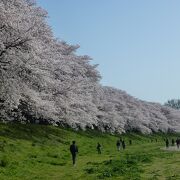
(43, 80)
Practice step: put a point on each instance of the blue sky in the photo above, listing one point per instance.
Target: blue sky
(135, 42)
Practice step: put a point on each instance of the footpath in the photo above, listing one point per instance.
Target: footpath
(171, 148)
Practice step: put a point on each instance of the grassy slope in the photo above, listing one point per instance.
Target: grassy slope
(42, 152)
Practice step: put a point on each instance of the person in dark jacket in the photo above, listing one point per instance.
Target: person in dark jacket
(123, 145)
(74, 151)
(167, 143)
(98, 148)
(178, 143)
(130, 142)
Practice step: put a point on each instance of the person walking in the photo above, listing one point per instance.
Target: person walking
(178, 143)
(98, 148)
(74, 151)
(172, 142)
(118, 144)
(130, 142)
(123, 145)
(167, 143)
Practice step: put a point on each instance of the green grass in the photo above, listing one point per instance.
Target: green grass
(42, 152)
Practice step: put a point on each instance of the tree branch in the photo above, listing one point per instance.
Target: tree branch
(19, 44)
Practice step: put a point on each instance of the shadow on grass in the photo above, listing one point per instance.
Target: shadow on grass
(32, 132)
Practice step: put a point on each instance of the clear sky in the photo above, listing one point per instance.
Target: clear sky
(135, 42)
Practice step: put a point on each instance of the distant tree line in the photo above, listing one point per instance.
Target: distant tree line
(174, 103)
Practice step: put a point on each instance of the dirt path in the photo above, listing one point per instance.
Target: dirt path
(171, 148)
